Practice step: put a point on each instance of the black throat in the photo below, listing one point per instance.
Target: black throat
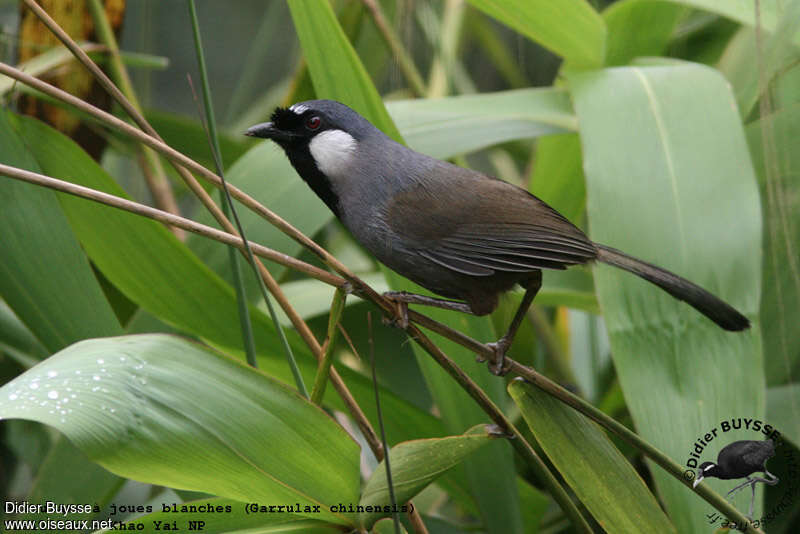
(303, 163)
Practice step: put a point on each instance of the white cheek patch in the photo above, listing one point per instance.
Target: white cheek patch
(708, 468)
(332, 151)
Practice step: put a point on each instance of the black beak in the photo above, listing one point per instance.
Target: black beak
(267, 130)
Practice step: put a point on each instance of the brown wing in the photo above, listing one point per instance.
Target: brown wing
(478, 226)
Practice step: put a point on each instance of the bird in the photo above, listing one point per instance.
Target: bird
(464, 235)
(741, 459)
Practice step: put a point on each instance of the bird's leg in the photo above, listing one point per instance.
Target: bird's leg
(401, 309)
(752, 481)
(748, 482)
(772, 478)
(532, 286)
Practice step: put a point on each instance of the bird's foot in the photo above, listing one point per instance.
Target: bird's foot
(498, 365)
(401, 312)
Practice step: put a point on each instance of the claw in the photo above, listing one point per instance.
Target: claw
(401, 310)
(498, 366)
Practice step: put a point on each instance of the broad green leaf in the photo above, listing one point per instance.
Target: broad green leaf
(639, 28)
(141, 257)
(572, 29)
(162, 410)
(226, 516)
(669, 180)
(771, 11)
(45, 277)
(266, 174)
(780, 305)
(558, 175)
(596, 471)
(415, 464)
(447, 127)
(336, 71)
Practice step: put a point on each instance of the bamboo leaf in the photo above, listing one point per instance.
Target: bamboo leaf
(336, 71)
(44, 275)
(640, 28)
(688, 202)
(598, 473)
(573, 29)
(415, 464)
(162, 410)
(447, 127)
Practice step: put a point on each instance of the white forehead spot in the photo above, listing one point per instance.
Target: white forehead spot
(298, 108)
(332, 150)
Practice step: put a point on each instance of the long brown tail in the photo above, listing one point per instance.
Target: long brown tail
(698, 298)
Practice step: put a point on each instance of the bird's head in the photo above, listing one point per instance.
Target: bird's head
(323, 131)
(706, 469)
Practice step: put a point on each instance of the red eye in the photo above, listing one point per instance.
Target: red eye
(312, 123)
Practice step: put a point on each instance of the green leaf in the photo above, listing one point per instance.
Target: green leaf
(226, 516)
(771, 11)
(415, 464)
(669, 181)
(639, 28)
(573, 30)
(162, 410)
(779, 182)
(748, 70)
(44, 275)
(17, 341)
(141, 257)
(596, 471)
(447, 127)
(336, 71)
(558, 175)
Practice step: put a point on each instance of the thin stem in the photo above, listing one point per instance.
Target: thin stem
(227, 207)
(389, 483)
(323, 371)
(609, 423)
(404, 61)
(517, 440)
(171, 219)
